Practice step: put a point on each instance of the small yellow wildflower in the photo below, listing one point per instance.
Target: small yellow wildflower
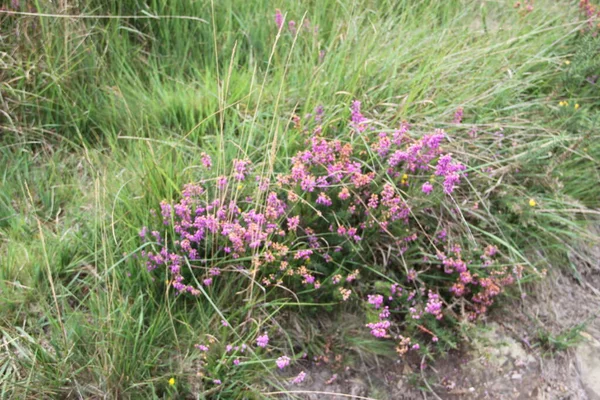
(240, 186)
(576, 106)
(532, 203)
(563, 103)
(567, 62)
(172, 381)
(404, 179)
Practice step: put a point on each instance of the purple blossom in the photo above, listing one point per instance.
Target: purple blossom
(434, 305)
(427, 188)
(278, 19)
(299, 378)
(379, 329)
(376, 300)
(293, 223)
(262, 341)
(202, 347)
(240, 169)
(324, 200)
(283, 362)
(458, 115)
(222, 182)
(206, 160)
(359, 122)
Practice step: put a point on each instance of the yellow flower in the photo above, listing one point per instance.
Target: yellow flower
(567, 62)
(563, 103)
(532, 203)
(172, 381)
(576, 106)
(404, 177)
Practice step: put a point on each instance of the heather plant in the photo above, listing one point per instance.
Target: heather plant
(356, 216)
(290, 234)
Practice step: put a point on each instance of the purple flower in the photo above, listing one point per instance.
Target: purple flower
(379, 329)
(358, 120)
(323, 199)
(206, 160)
(376, 300)
(293, 223)
(427, 188)
(202, 347)
(292, 27)
(283, 362)
(458, 115)
(222, 182)
(434, 305)
(278, 18)
(262, 341)
(300, 378)
(240, 169)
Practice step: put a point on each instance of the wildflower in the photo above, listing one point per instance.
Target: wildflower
(202, 347)
(358, 120)
(240, 168)
(434, 305)
(376, 300)
(300, 378)
(172, 381)
(532, 203)
(576, 106)
(404, 180)
(324, 200)
(563, 103)
(217, 381)
(344, 194)
(458, 115)
(262, 341)
(373, 201)
(236, 361)
(292, 27)
(427, 188)
(283, 362)
(278, 18)
(379, 329)
(567, 62)
(345, 293)
(206, 160)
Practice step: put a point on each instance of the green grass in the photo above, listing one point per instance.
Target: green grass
(102, 118)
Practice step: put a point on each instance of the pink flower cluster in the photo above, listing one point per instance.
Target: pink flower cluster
(300, 229)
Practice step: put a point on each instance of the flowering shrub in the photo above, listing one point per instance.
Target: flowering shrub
(354, 195)
(592, 14)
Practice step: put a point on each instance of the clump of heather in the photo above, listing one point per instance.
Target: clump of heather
(592, 15)
(354, 194)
